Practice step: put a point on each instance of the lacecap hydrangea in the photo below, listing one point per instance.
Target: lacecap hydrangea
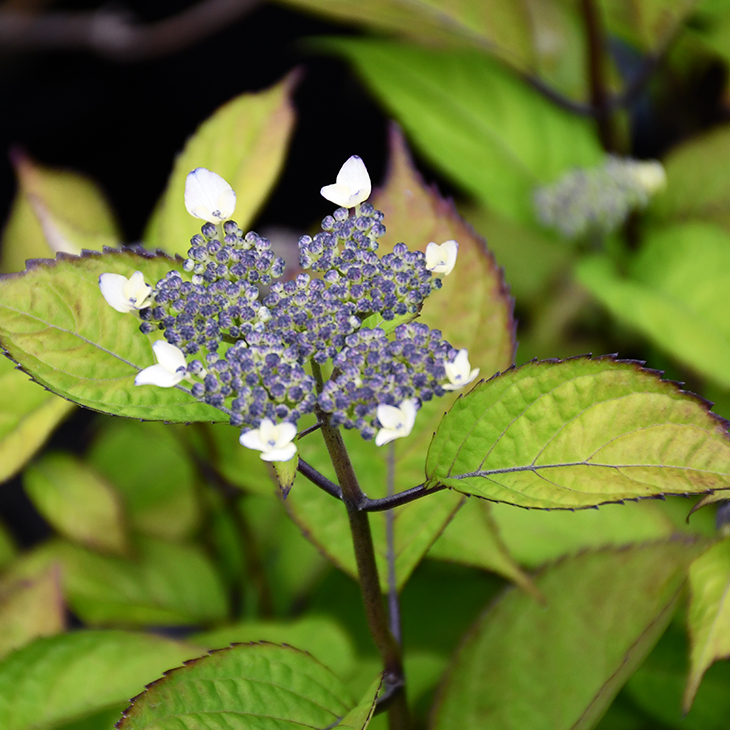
(231, 333)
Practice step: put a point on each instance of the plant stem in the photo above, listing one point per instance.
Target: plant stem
(393, 604)
(367, 569)
(600, 99)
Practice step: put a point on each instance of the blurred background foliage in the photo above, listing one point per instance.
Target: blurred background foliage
(496, 98)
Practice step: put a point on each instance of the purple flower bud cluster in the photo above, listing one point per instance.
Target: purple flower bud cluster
(221, 302)
(372, 369)
(262, 375)
(252, 348)
(345, 253)
(310, 318)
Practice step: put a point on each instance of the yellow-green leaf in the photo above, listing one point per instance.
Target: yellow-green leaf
(28, 415)
(30, 608)
(55, 323)
(78, 502)
(58, 679)
(674, 293)
(246, 687)
(54, 211)
(579, 433)
(245, 142)
(709, 615)
(558, 668)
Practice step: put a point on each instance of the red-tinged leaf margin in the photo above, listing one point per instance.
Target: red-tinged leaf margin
(640, 366)
(62, 257)
(438, 220)
(121, 724)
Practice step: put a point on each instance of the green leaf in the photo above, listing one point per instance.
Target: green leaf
(674, 294)
(78, 502)
(534, 537)
(165, 584)
(504, 29)
(54, 211)
(29, 609)
(359, 717)
(159, 485)
(291, 565)
(514, 245)
(543, 37)
(647, 24)
(56, 325)
(245, 142)
(472, 538)
(709, 615)
(474, 120)
(257, 686)
(57, 679)
(28, 415)
(320, 636)
(697, 180)
(658, 685)
(559, 668)
(240, 466)
(579, 433)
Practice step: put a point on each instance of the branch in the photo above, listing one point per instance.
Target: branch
(596, 41)
(319, 480)
(399, 499)
(115, 34)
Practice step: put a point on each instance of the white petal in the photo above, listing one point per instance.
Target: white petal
(208, 196)
(354, 175)
(441, 258)
(112, 289)
(398, 422)
(385, 436)
(286, 433)
(337, 194)
(389, 416)
(252, 440)
(283, 454)
(158, 375)
(170, 357)
(352, 187)
(409, 409)
(136, 291)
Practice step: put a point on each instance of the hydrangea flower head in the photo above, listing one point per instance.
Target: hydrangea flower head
(171, 367)
(274, 441)
(459, 371)
(396, 421)
(208, 196)
(352, 186)
(125, 294)
(441, 258)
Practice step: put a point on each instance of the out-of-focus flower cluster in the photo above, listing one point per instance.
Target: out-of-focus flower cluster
(598, 200)
(257, 347)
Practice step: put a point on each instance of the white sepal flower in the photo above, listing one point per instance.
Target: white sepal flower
(209, 196)
(352, 187)
(170, 369)
(125, 294)
(459, 372)
(396, 421)
(441, 258)
(275, 441)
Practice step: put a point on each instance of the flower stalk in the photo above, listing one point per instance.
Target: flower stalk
(367, 570)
